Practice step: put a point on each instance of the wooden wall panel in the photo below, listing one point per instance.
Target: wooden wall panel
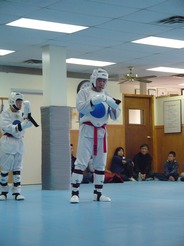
(115, 139)
(74, 140)
(166, 142)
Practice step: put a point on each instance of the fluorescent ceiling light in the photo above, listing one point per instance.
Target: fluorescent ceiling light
(88, 62)
(5, 52)
(164, 42)
(46, 25)
(167, 69)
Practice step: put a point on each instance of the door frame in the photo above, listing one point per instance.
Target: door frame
(153, 142)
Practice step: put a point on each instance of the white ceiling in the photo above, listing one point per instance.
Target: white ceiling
(113, 24)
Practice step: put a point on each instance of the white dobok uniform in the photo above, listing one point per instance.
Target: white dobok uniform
(92, 119)
(11, 149)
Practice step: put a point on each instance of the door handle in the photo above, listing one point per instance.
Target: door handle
(148, 137)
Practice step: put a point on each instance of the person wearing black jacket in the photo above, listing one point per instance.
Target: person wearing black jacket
(121, 165)
(73, 158)
(142, 163)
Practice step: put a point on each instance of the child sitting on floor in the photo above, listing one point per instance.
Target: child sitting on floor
(170, 169)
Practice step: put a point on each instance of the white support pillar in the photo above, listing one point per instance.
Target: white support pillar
(55, 118)
(54, 76)
(143, 88)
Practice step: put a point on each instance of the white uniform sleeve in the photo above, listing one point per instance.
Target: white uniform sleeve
(83, 102)
(7, 126)
(115, 113)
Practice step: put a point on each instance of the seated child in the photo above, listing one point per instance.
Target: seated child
(170, 169)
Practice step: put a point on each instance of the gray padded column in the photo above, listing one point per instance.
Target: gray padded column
(56, 162)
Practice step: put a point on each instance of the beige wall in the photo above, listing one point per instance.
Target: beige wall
(13, 80)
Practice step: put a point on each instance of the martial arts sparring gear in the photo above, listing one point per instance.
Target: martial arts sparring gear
(14, 96)
(98, 73)
(13, 126)
(94, 107)
(27, 113)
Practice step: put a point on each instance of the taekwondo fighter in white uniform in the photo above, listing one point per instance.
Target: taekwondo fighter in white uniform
(95, 106)
(13, 124)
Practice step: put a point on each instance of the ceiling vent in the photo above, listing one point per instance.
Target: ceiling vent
(33, 61)
(173, 20)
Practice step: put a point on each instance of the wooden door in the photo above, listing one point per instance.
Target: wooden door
(138, 120)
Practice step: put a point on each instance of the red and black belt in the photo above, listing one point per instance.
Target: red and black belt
(96, 137)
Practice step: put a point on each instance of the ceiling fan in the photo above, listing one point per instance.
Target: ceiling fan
(131, 77)
(180, 76)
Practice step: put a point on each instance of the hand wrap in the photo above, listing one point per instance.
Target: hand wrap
(98, 99)
(24, 125)
(111, 102)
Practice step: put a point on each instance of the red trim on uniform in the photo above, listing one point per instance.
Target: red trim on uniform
(104, 143)
(95, 141)
(98, 187)
(8, 135)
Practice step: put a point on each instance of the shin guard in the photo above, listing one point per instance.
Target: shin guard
(76, 180)
(16, 183)
(98, 181)
(4, 182)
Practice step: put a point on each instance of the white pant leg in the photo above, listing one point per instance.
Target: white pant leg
(18, 162)
(84, 153)
(17, 174)
(99, 162)
(6, 161)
